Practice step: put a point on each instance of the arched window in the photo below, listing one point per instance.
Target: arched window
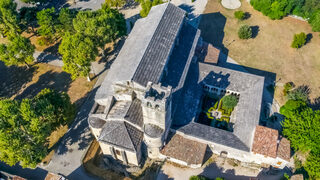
(157, 106)
(149, 104)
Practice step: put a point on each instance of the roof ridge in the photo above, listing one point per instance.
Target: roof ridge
(125, 124)
(167, 4)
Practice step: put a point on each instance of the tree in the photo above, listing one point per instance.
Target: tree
(18, 51)
(301, 125)
(315, 21)
(28, 17)
(312, 165)
(245, 32)
(147, 5)
(47, 21)
(229, 101)
(299, 40)
(198, 178)
(240, 15)
(33, 1)
(78, 51)
(115, 3)
(25, 126)
(102, 26)
(9, 24)
(65, 19)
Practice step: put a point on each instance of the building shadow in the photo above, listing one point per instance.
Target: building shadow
(79, 131)
(36, 174)
(50, 54)
(14, 78)
(59, 81)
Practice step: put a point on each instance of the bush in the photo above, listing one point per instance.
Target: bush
(288, 87)
(229, 102)
(299, 94)
(239, 15)
(198, 178)
(299, 40)
(245, 32)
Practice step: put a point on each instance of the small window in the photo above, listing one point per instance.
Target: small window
(117, 152)
(149, 104)
(157, 106)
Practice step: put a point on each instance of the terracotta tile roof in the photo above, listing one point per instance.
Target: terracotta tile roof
(189, 151)
(284, 149)
(265, 141)
(212, 56)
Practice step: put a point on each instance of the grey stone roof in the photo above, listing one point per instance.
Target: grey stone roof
(119, 110)
(216, 135)
(146, 50)
(153, 130)
(121, 134)
(159, 48)
(247, 112)
(134, 113)
(96, 122)
(179, 62)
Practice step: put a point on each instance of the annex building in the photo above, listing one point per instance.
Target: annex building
(152, 101)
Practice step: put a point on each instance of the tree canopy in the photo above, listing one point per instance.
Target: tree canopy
(25, 126)
(47, 22)
(102, 26)
(302, 127)
(299, 40)
(18, 51)
(116, 3)
(147, 5)
(78, 51)
(276, 9)
(9, 23)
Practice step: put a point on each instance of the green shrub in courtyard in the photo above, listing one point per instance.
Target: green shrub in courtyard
(239, 15)
(245, 32)
(198, 178)
(229, 102)
(299, 40)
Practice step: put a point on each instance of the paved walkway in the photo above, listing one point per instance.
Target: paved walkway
(67, 159)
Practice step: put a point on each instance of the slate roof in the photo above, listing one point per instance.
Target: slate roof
(189, 151)
(134, 113)
(283, 151)
(159, 48)
(96, 122)
(216, 135)
(265, 141)
(247, 112)
(121, 134)
(146, 50)
(153, 130)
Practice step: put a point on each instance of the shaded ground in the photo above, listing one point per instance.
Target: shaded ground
(270, 49)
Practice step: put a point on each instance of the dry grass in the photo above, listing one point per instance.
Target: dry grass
(47, 76)
(270, 50)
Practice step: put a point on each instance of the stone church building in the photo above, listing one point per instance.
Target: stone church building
(152, 95)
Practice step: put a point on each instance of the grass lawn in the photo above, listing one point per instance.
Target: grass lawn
(270, 49)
